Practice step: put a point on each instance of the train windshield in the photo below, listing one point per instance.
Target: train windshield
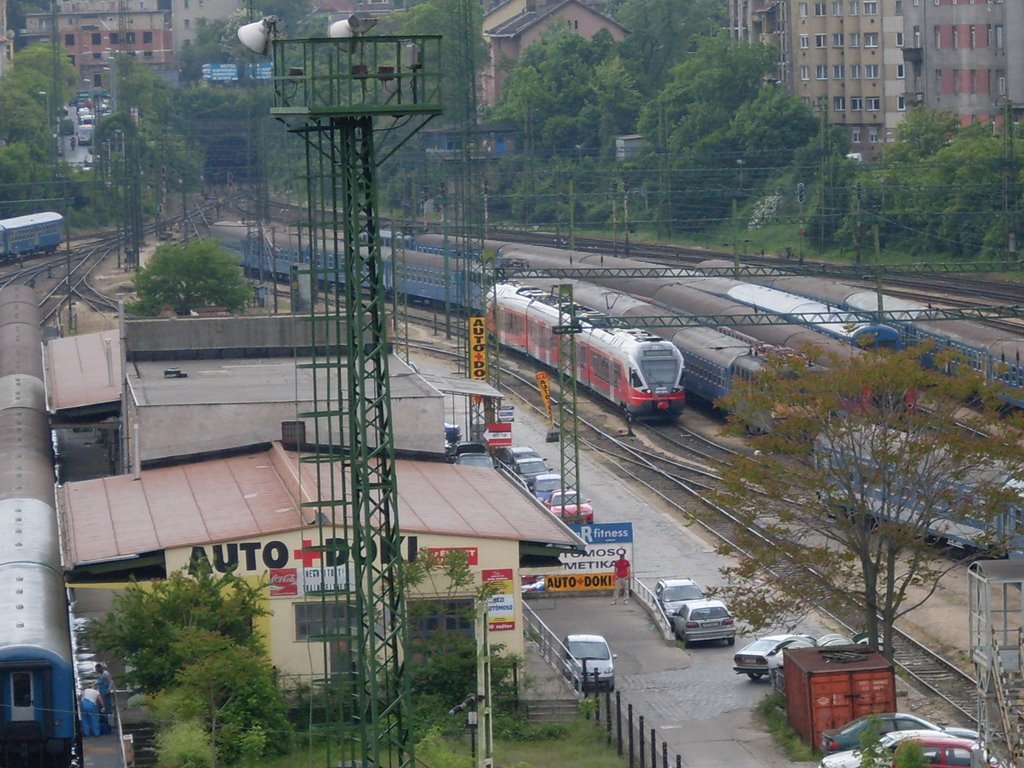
(660, 374)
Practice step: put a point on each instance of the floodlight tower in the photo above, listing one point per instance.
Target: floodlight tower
(330, 92)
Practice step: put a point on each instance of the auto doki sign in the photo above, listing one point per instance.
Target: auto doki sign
(594, 568)
(309, 569)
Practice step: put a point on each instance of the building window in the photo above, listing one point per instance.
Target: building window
(820, 41)
(855, 135)
(837, 7)
(147, 37)
(819, 9)
(574, 24)
(956, 81)
(870, 39)
(129, 37)
(870, 71)
(901, 103)
(901, 71)
(97, 38)
(803, 10)
(188, 23)
(873, 103)
(837, 39)
(974, 81)
(917, 36)
(956, 37)
(853, 39)
(316, 621)
(147, 54)
(854, 7)
(186, 5)
(938, 38)
(999, 36)
(855, 71)
(856, 103)
(431, 618)
(899, 7)
(899, 39)
(838, 103)
(1000, 82)
(837, 71)
(69, 40)
(972, 35)
(821, 72)
(805, 41)
(805, 72)
(872, 134)
(870, 7)
(115, 38)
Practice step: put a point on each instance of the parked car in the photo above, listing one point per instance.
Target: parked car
(546, 484)
(528, 470)
(507, 456)
(589, 655)
(700, 620)
(848, 737)
(672, 593)
(475, 460)
(569, 508)
(455, 450)
(940, 750)
(765, 654)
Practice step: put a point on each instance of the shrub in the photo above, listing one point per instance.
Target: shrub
(184, 745)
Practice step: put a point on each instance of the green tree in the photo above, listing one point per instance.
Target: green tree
(858, 481)
(152, 625)
(198, 274)
(232, 691)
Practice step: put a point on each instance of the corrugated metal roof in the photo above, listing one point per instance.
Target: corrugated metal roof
(82, 370)
(227, 499)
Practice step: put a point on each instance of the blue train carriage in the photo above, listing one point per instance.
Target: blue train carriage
(947, 520)
(28, 235)
(989, 351)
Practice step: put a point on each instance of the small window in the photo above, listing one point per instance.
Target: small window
(853, 39)
(854, 7)
(899, 39)
(873, 135)
(115, 38)
(69, 40)
(819, 9)
(870, 71)
(820, 41)
(147, 37)
(837, 7)
(856, 104)
(805, 72)
(821, 72)
(901, 103)
(837, 71)
(97, 38)
(870, 7)
(188, 24)
(855, 71)
(855, 135)
(839, 104)
(874, 103)
(803, 10)
(837, 39)
(805, 41)
(901, 71)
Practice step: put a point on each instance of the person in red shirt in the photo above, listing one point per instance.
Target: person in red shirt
(621, 579)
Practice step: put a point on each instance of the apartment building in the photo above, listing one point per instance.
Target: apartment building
(863, 63)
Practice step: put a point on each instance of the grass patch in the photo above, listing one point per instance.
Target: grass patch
(773, 709)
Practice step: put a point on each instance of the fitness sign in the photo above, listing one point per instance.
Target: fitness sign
(595, 568)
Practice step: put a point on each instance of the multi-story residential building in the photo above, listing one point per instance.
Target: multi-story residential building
(92, 31)
(965, 56)
(185, 16)
(863, 63)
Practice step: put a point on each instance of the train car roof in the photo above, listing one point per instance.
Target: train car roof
(33, 218)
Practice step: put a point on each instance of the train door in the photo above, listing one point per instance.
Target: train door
(22, 695)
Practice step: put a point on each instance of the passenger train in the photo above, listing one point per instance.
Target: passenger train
(637, 371)
(30, 235)
(989, 351)
(38, 716)
(633, 369)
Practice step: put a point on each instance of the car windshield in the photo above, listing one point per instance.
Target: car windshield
(588, 649)
(533, 466)
(475, 460)
(760, 646)
(548, 483)
(564, 499)
(682, 592)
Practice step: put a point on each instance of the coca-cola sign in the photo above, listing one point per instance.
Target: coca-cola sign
(284, 582)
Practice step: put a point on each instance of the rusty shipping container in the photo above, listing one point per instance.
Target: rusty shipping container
(828, 687)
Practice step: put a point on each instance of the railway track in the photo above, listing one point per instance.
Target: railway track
(678, 466)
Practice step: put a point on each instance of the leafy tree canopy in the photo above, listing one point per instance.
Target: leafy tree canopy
(858, 480)
(156, 628)
(198, 274)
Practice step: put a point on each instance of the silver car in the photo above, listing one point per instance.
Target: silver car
(700, 620)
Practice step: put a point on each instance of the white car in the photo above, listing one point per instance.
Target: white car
(949, 749)
(589, 655)
(765, 654)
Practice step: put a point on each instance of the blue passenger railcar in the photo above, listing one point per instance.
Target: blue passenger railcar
(28, 235)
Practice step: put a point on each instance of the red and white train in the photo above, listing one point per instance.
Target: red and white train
(632, 368)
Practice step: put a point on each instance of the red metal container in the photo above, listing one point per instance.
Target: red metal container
(828, 687)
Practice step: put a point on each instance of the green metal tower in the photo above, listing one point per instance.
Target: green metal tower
(568, 426)
(343, 97)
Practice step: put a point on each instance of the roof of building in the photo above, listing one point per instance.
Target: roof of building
(519, 23)
(256, 494)
(82, 371)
